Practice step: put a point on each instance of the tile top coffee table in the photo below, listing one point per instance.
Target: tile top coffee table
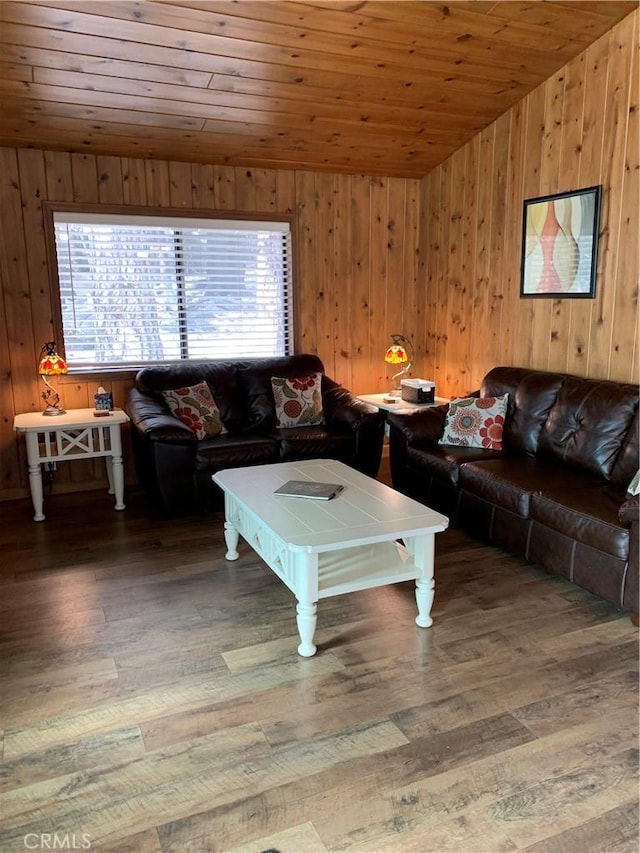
(324, 548)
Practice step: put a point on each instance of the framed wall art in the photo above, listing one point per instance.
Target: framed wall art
(560, 244)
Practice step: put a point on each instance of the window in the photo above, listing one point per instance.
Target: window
(139, 290)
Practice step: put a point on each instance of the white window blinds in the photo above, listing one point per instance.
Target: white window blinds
(137, 290)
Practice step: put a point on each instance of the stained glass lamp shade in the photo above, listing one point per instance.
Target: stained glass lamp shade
(400, 352)
(51, 364)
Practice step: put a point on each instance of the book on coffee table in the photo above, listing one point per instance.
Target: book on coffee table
(309, 489)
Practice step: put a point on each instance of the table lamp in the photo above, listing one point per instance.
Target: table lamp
(400, 352)
(51, 364)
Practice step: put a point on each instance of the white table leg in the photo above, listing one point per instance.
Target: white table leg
(117, 476)
(35, 474)
(114, 462)
(231, 536)
(108, 464)
(422, 548)
(306, 590)
(306, 617)
(424, 600)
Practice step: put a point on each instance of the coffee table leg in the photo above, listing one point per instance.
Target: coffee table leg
(306, 617)
(305, 587)
(424, 600)
(423, 554)
(231, 537)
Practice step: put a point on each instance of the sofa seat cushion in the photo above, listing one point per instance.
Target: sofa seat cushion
(234, 451)
(588, 515)
(443, 461)
(313, 443)
(510, 481)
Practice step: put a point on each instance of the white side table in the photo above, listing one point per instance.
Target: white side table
(77, 434)
(381, 401)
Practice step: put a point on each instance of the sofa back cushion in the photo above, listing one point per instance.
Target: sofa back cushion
(532, 393)
(254, 380)
(220, 376)
(588, 424)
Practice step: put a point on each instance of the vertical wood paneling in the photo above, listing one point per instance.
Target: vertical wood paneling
(430, 238)
(573, 314)
(624, 348)
(511, 316)
(16, 293)
(341, 283)
(32, 190)
(535, 185)
(134, 183)
(224, 187)
(498, 269)
(320, 277)
(158, 185)
(110, 180)
(414, 298)
(395, 314)
(378, 290)
(613, 167)
(578, 129)
(202, 186)
(84, 178)
(180, 194)
(358, 338)
(477, 296)
(307, 259)
(11, 465)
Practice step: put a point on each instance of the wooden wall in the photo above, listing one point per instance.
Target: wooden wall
(437, 260)
(577, 130)
(356, 274)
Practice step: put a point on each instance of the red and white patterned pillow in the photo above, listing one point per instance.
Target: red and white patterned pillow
(475, 422)
(298, 401)
(194, 406)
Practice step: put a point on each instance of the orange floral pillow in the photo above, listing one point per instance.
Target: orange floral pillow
(195, 407)
(298, 401)
(475, 422)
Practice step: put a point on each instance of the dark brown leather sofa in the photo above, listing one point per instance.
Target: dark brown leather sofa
(175, 468)
(557, 492)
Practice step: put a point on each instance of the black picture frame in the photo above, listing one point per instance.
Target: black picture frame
(560, 245)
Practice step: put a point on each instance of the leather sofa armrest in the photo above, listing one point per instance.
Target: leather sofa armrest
(629, 515)
(425, 426)
(164, 451)
(342, 409)
(154, 421)
(629, 512)
(345, 413)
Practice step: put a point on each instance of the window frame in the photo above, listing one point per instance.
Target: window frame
(51, 207)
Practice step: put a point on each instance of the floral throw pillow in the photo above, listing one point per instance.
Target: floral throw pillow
(195, 407)
(298, 401)
(475, 422)
(634, 485)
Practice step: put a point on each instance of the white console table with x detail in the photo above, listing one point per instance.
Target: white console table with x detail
(77, 434)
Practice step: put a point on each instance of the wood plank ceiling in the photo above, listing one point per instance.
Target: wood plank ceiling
(382, 88)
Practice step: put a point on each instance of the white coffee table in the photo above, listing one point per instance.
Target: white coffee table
(324, 548)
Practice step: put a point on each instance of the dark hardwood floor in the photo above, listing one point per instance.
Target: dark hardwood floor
(153, 700)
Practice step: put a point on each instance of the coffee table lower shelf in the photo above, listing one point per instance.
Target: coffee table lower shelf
(312, 575)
